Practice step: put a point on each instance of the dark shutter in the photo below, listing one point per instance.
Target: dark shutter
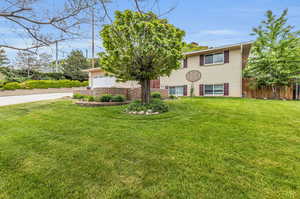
(185, 90)
(201, 60)
(185, 64)
(226, 56)
(226, 89)
(201, 91)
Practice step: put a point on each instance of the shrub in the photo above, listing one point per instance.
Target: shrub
(12, 86)
(118, 98)
(156, 105)
(172, 97)
(156, 95)
(31, 84)
(106, 98)
(90, 98)
(78, 96)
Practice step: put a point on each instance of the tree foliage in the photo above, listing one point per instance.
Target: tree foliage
(193, 46)
(141, 47)
(275, 55)
(73, 65)
(3, 58)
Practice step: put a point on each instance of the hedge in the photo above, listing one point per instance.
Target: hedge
(31, 84)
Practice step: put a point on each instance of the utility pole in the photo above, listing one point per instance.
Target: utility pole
(56, 56)
(86, 53)
(93, 38)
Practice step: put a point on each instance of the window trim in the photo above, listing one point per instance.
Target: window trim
(214, 63)
(170, 87)
(213, 89)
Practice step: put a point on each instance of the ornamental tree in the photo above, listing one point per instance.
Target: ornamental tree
(141, 47)
(275, 55)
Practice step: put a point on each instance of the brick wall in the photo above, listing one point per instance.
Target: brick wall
(129, 93)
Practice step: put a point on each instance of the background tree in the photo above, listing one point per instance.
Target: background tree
(140, 46)
(3, 59)
(193, 46)
(73, 65)
(274, 59)
(27, 61)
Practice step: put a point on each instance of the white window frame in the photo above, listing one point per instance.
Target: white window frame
(213, 59)
(214, 94)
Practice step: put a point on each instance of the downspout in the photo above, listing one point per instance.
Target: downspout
(241, 79)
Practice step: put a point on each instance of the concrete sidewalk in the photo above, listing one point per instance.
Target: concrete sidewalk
(9, 100)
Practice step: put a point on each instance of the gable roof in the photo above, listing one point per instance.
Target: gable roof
(215, 49)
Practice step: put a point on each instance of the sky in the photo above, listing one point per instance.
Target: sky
(210, 23)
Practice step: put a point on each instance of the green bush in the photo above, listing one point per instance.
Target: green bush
(156, 95)
(118, 98)
(156, 105)
(172, 97)
(78, 96)
(106, 98)
(12, 86)
(31, 84)
(90, 98)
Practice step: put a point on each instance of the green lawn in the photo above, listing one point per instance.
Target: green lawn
(202, 148)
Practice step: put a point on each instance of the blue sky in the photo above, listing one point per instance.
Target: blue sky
(212, 23)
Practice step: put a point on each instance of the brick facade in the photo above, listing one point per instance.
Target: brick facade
(129, 93)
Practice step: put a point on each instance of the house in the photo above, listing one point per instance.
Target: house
(215, 72)
(219, 72)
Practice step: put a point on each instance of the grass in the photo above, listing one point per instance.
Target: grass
(202, 148)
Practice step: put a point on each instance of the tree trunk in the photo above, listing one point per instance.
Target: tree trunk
(145, 95)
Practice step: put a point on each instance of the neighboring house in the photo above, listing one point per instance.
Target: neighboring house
(220, 68)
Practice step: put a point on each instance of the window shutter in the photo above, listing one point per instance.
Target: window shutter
(201, 91)
(226, 56)
(226, 89)
(185, 90)
(185, 64)
(201, 60)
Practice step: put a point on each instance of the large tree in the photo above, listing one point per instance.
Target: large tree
(73, 65)
(142, 47)
(274, 60)
(44, 22)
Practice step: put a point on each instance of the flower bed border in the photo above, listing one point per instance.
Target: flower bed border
(93, 104)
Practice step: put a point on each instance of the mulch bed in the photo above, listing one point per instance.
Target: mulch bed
(85, 103)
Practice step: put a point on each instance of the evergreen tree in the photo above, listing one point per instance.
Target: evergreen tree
(3, 59)
(74, 64)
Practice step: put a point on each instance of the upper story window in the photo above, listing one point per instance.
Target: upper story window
(214, 58)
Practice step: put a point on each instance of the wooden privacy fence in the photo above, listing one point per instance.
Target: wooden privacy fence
(265, 92)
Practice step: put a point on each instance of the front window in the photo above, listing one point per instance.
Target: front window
(176, 90)
(214, 58)
(214, 89)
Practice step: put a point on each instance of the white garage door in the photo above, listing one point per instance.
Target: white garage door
(99, 82)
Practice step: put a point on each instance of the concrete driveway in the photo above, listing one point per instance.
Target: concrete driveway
(31, 98)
